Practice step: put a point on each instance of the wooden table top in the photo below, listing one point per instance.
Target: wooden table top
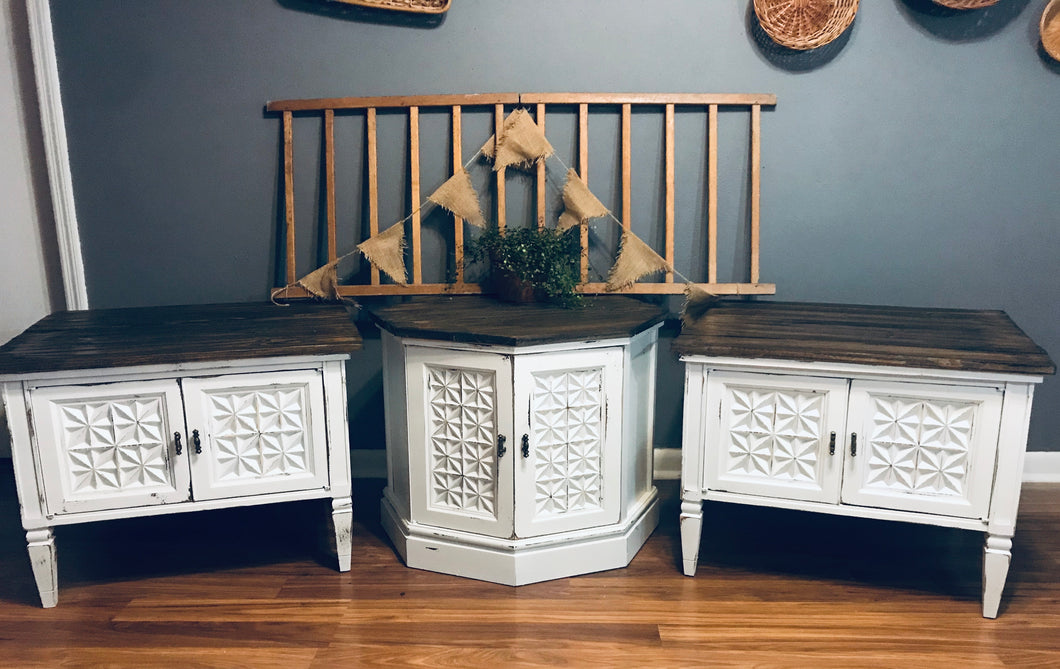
(484, 320)
(953, 339)
(103, 338)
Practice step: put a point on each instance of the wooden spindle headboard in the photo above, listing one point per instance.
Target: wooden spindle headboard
(537, 104)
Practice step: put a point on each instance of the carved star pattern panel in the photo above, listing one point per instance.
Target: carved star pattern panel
(116, 444)
(258, 433)
(920, 445)
(566, 410)
(462, 428)
(775, 434)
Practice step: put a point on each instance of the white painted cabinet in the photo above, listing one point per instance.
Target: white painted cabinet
(912, 446)
(517, 463)
(141, 412)
(515, 445)
(162, 441)
(890, 413)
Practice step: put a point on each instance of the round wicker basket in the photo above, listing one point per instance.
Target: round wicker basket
(966, 4)
(1050, 29)
(805, 24)
(420, 6)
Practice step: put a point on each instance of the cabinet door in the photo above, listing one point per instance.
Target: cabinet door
(258, 433)
(569, 463)
(771, 435)
(921, 447)
(460, 408)
(110, 446)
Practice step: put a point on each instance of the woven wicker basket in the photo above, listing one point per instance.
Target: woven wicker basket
(805, 24)
(420, 6)
(966, 4)
(1050, 29)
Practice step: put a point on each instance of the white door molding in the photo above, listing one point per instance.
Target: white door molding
(53, 127)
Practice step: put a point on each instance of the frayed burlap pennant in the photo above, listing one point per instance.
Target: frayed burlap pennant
(579, 201)
(521, 142)
(567, 221)
(386, 251)
(458, 196)
(490, 147)
(635, 260)
(323, 282)
(698, 301)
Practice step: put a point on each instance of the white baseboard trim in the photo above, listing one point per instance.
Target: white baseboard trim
(1042, 467)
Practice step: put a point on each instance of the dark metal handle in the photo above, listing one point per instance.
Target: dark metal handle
(831, 444)
(853, 444)
(501, 450)
(526, 445)
(176, 442)
(196, 442)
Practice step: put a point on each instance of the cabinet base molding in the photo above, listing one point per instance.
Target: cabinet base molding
(521, 561)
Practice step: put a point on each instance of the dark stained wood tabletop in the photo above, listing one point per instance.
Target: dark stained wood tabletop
(954, 339)
(485, 320)
(104, 338)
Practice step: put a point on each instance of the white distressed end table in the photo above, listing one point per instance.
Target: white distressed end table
(519, 436)
(915, 415)
(138, 412)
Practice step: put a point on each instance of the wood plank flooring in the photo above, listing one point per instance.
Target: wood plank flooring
(256, 588)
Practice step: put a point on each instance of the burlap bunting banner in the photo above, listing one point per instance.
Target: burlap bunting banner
(521, 142)
(579, 203)
(698, 301)
(635, 261)
(458, 196)
(386, 251)
(323, 282)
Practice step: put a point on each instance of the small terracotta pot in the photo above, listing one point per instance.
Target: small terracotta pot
(510, 288)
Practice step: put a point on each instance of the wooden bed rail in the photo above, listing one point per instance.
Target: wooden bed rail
(537, 104)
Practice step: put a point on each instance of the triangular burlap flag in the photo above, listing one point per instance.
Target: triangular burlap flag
(579, 201)
(635, 260)
(698, 301)
(386, 251)
(323, 282)
(458, 196)
(567, 221)
(521, 142)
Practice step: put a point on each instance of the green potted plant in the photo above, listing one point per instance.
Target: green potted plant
(531, 264)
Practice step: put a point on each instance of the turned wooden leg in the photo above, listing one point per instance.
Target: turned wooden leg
(691, 529)
(342, 523)
(41, 547)
(997, 553)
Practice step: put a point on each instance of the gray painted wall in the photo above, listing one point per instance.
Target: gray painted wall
(914, 161)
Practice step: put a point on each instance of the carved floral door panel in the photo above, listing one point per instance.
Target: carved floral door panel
(256, 433)
(460, 417)
(110, 445)
(568, 461)
(774, 435)
(922, 447)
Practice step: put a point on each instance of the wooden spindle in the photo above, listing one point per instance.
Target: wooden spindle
(329, 179)
(669, 213)
(498, 123)
(458, 223)
(583, 171)
(373, 183)
(627, 168)
(712, 195)
(541, 203)
(288, 193)
(414, 193)
(756, 186)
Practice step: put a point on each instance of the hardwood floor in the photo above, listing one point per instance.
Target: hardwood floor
(257, 588)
